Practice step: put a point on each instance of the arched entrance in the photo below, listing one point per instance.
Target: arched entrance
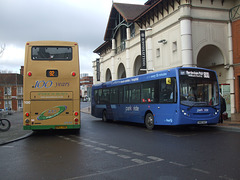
(137, 67)
(210, 56)
(121, 71)
(108, 75)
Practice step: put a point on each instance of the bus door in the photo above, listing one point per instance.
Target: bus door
(168, 108)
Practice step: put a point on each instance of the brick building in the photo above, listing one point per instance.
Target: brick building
(11, 91)
(235, 18)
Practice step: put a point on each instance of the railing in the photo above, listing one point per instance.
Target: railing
(234, 13)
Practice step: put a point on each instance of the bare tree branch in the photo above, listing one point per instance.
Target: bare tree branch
(2, 48)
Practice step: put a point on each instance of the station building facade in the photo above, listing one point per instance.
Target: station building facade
(185, 33)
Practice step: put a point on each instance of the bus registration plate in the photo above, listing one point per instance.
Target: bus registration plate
(202, 122)
(61, 127)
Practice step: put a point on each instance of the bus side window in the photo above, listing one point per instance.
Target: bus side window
(99, 96)
(134, 93)
(96, 96)
(125, 94)
(149, 92)
(105, 96)
(120, 90)
(113, 95)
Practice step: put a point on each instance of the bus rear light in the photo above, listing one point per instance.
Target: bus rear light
(73, 74)
(27, 114)
(29, 74)
(27, 121)
(76, 113)
(76, 119)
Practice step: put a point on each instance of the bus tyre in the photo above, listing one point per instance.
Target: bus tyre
(104, 116)
(149, 121)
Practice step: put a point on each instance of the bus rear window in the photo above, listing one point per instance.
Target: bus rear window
(52, 53)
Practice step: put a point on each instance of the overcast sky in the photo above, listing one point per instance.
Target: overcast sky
(80, 21)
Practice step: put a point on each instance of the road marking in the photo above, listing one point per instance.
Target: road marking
(99, 149)
(111, 152)
(200, 170)
(88, 145)
(139, 161)
(114, 147)
(125, 150)
(155, 158)
(138, 154)
(123, 156)
(177, 164)
(110, 171)
(8, 146)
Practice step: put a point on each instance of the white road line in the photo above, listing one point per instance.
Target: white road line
(200, 170)
(125, 150)
(139, 161)
(123, 156)
(177, 164)
(110, 171)
(99, 149)
(114, 147)
(155, 158)
(138, 154)
(111, 152)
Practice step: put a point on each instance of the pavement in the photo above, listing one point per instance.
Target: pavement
(16, 131)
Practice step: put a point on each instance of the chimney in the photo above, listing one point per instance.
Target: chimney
(22, 70)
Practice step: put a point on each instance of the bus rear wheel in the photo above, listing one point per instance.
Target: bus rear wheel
(149, 121)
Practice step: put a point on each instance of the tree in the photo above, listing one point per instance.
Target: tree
(2, 48)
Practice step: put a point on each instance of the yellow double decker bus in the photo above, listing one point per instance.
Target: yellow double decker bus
(51, 86)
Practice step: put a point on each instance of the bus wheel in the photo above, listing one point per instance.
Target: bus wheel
(104, 116)
(149, 121)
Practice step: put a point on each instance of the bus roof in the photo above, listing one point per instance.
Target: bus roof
(147, 77)
(52, 43)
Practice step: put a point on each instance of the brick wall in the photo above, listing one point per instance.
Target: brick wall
(236, 61)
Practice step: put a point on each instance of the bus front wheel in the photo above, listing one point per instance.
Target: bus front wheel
(149, 121)
(104, 116)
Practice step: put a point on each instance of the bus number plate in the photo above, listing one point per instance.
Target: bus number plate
(61, 127)
(202, 122)
(52, 73)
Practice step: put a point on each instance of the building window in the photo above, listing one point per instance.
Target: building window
(158, 52)
(174, 46)
(19, 90)
(8, 104)
(132, 30)
(20, 103)
(7, 91)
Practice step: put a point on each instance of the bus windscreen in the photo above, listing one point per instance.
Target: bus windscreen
(51, 53)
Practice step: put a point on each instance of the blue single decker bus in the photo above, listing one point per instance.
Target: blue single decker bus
(178, 96)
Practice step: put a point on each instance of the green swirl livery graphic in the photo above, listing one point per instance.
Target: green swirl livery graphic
(51, 113)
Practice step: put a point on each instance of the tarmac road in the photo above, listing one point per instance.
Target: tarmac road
(122, 150)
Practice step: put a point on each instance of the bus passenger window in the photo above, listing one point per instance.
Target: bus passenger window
(125, 94)
(120, 98)
(113, 95)
(96, 96)
(149, 90)
(134, 93)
